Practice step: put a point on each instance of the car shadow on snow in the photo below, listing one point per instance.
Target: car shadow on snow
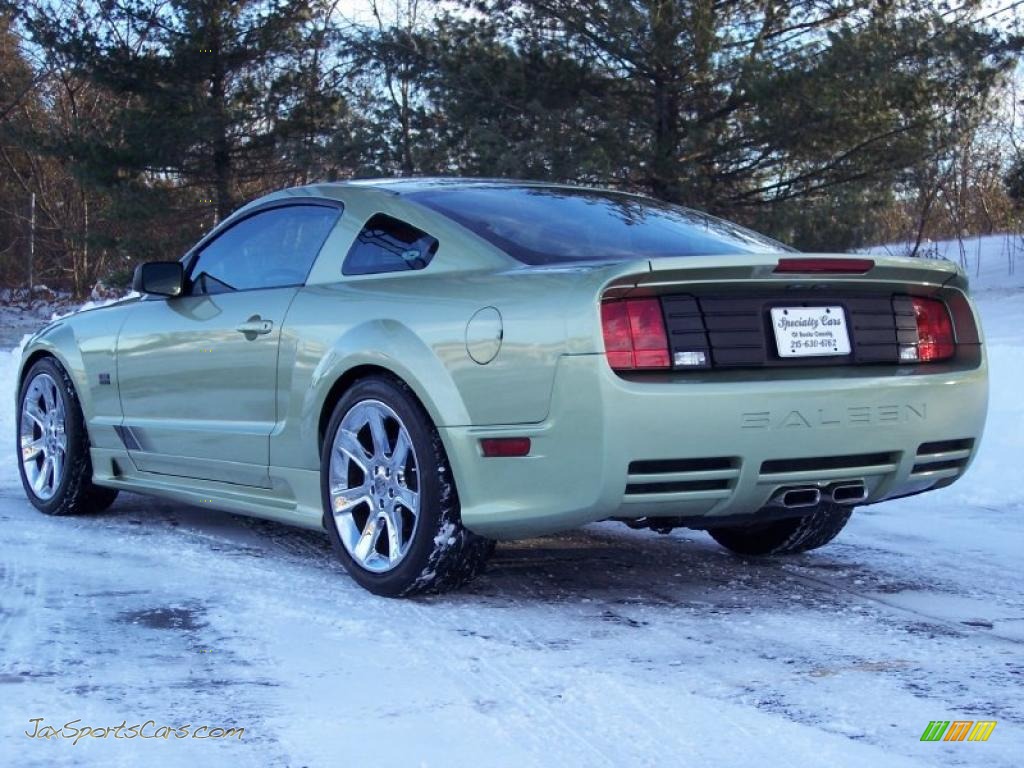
(611, 562)
(604, 562)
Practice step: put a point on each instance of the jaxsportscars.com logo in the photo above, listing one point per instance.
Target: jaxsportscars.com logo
(958, 730)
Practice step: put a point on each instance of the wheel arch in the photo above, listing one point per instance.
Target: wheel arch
(45, 347)
(31, 359)
(346, 381)
(386, 348)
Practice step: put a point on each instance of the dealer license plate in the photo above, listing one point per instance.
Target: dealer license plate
(810, 331)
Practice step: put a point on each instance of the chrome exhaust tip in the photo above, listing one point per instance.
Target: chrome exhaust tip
(848, 493)
(795, 498)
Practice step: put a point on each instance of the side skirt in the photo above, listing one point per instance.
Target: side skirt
(292, 499)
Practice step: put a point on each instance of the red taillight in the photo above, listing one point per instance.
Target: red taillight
(618, 341)
(647, 326)
(503, 447)
(934, 330)
(833, 266)
(634, 334)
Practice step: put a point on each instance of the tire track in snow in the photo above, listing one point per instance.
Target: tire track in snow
(797, 570)
(648, 730)
(523, 700)
(956, 628)
(12, 603)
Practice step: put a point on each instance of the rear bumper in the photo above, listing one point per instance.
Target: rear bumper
(709, 449)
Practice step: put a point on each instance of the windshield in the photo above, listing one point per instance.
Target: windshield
(551, 225)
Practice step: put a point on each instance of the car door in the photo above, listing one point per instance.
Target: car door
(198, 372)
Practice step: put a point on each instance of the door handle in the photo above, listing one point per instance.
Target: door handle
(254, 326)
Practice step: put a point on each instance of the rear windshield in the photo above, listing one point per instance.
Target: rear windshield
(550, 225)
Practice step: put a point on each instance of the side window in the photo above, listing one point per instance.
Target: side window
(270, 249)
(386, 244)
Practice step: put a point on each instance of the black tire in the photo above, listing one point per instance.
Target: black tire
(75, 493)
(442, 554)
(785, 537)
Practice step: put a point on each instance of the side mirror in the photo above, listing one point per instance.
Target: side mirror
(159, 278)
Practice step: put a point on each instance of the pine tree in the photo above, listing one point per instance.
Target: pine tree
(741, 107)
(213, 89)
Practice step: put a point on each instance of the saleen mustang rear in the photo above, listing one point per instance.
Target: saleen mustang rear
(422, 367)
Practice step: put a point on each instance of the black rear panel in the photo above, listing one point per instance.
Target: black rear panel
(736, 331)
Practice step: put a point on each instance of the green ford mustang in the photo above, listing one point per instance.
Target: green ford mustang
(422, 367)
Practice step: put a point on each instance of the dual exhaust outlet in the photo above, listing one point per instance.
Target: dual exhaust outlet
(811, 496)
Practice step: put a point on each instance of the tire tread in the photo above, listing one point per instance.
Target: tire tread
(786, 537)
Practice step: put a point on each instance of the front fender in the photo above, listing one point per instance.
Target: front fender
(58, 340)
(85, 343)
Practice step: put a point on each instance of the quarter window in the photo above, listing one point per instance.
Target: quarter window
(386, 244)
(270, 249)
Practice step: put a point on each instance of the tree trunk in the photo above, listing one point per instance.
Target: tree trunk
(86, 275)
(665, 101)
(223, 173)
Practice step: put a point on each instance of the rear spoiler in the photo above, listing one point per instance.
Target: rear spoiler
(902, 273)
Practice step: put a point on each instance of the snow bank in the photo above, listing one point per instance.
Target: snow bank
(992, 262)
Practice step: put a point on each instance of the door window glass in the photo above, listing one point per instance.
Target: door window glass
(270, 249)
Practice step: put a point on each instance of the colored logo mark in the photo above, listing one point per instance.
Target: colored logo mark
(958, 730)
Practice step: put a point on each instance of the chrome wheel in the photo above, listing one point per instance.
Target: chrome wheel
(44, 442)
(373, 484)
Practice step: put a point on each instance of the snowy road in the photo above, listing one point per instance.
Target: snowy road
(603, 647)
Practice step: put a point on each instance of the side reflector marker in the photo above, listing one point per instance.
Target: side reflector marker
(504, 447)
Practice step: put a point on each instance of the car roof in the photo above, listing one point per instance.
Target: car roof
(406, 185)
(398, 187)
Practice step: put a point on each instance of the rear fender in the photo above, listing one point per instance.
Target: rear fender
(384, 344)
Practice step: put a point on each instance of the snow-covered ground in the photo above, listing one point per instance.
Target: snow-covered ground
(992, 262)
(604, 647)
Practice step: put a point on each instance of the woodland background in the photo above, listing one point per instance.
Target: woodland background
(829, 124)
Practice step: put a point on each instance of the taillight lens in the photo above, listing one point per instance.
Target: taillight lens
(634, 334)
(618, 341)
(934, 330)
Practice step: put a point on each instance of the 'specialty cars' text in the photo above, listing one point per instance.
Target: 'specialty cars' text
(424, 366)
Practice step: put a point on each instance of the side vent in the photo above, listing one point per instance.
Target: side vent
(829, 467)
(942, 459)
(128, 438)
(697, 478)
